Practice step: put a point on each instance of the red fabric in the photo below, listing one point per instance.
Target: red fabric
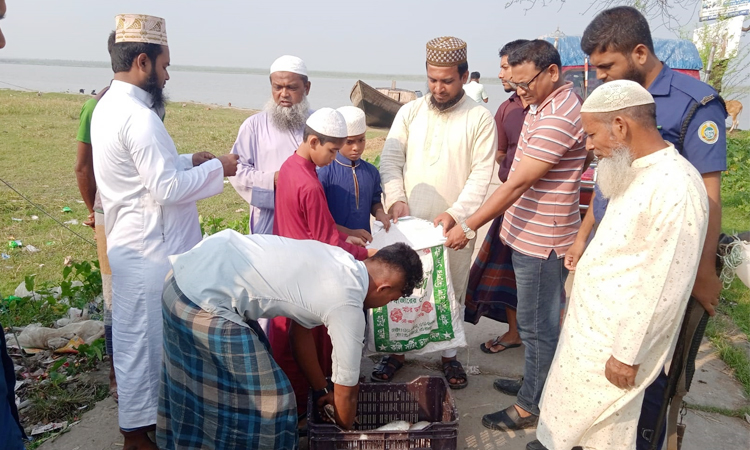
(302, 210)
(509, 120)
(278, 331)
(302, 213)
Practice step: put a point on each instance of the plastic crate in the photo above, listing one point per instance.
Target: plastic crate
(424, 399)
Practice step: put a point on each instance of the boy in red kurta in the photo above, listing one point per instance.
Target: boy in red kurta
(302, 213)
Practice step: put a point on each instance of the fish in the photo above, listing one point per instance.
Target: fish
(330, 412)
(398, 425)
(420, 426)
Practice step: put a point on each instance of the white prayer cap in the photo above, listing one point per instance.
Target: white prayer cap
(616, 95)
(140, 28)
(355, 120)
(288, 63)
(329, 122)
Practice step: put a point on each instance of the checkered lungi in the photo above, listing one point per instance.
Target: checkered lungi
(492, 282)
(220, 387)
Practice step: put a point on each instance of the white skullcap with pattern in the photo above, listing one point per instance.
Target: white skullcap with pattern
(328, 122)
(616, 95)
(355, 120)
(140, 28)
(288, 63)
(446, 51)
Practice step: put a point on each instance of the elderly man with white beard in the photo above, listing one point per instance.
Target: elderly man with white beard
(632, 284)
(267, 139)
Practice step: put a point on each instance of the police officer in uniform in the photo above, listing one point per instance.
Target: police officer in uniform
(691, 115)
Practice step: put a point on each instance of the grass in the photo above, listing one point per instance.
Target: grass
(728, 331)
(739, 413)
(37, 154)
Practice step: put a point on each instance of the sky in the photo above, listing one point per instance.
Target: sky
(384, 36)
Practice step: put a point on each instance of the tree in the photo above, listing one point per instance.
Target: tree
(662, 11)
(728, 72)
(729, 66)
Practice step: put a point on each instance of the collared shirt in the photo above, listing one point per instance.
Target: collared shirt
(262, 148)
(352, 188)
(546, 216)
(629, 296)
(302, 211)
(475, 91)
(260, 276)
(509, 120)
(705, 146)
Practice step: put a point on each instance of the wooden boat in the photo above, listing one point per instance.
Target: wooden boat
(380, 105)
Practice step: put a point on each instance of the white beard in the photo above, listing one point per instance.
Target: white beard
(288, 118)
(615, 173)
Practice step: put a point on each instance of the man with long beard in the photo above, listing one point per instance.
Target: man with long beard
(689, 114)
(267, 139)
(633, 282)
(436, 165)
(148, 193)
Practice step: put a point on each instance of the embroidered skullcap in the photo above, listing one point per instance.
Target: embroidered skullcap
(329, 122)
(355, 120)
(446, 51)
(288, 63)
(616, 95)
(140, 28)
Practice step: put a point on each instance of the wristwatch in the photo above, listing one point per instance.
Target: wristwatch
(322, 392)
(468, 232)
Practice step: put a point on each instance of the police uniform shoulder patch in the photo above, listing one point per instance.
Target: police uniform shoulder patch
(708, 132)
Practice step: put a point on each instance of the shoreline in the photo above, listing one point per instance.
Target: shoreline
(169, 102)
(226, 70)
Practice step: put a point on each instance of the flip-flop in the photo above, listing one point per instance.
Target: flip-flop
(489, 351)
(387, 366)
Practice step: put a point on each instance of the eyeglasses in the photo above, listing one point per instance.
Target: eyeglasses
(525, 86)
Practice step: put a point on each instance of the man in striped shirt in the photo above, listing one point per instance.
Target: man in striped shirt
(540, 203)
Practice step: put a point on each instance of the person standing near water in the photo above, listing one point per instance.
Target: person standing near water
(267, 139)
(149, 195)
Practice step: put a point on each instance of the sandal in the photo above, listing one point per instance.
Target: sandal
(489, 351)
(386, 369)
(453, 369)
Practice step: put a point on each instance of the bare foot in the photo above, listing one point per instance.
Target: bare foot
(138, 439)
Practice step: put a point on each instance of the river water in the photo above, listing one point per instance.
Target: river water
(243, 90)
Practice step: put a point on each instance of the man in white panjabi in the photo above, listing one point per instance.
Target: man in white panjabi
(269, 138)
(148, 194)
(437, 164)
(633, 282)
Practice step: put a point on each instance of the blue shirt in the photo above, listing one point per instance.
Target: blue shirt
(705, 144)
(352, 188)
